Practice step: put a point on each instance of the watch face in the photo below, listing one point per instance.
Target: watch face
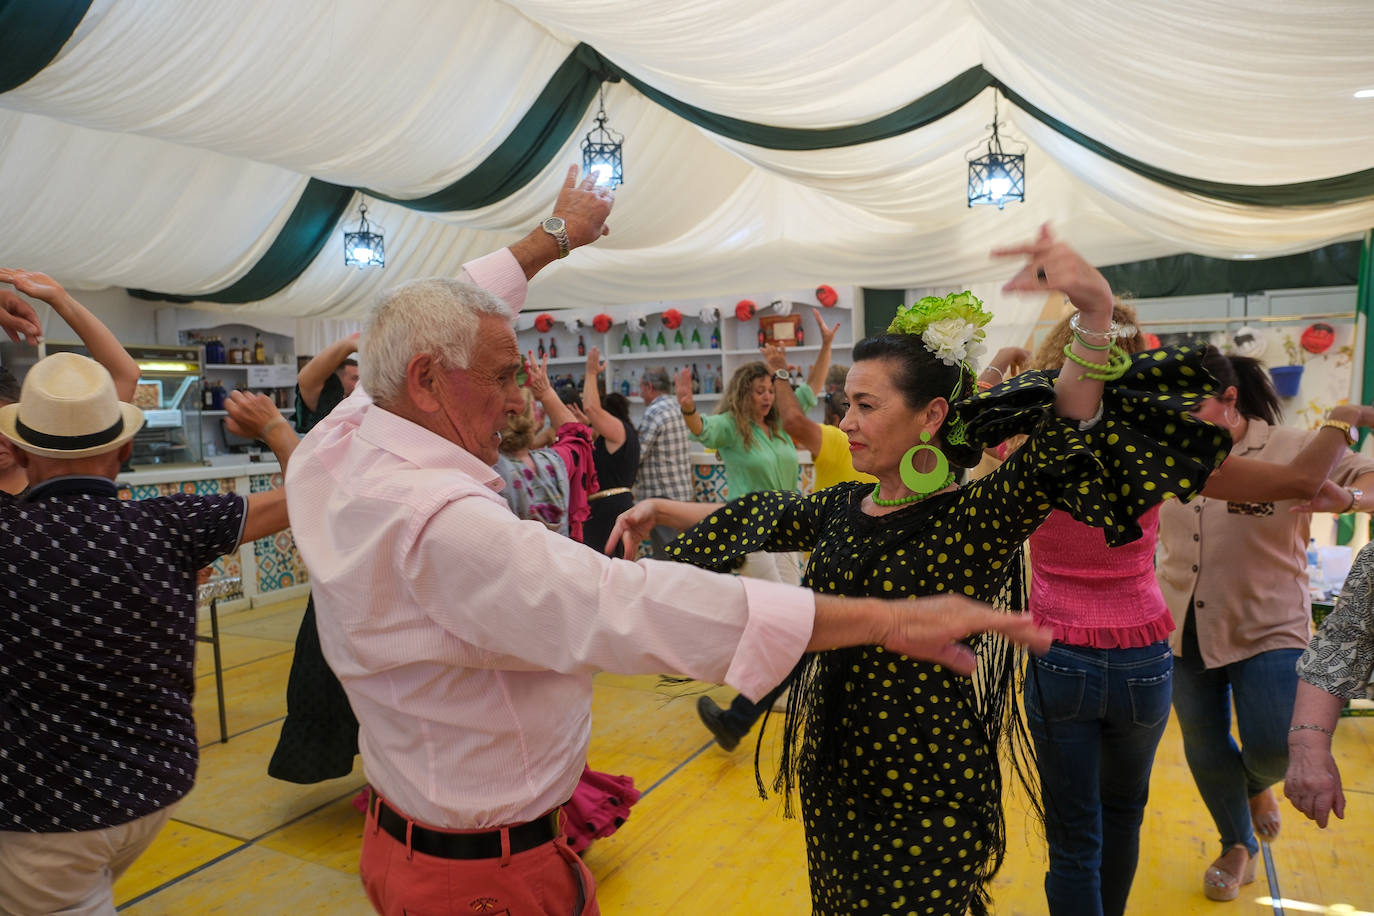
(782, 374)
(553, 224)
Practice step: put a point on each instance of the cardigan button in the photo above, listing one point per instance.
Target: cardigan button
(1194, 567)
(1195, 537)
(1199, 604)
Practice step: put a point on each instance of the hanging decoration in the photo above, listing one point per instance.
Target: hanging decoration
(601, 151)
(364, 246)
(1248, 341)
(709, 314)
(826, 295)
(543, 322)
(996, 178)
(1318, 337)
(672, 319)
(744, 309)
(602, 323)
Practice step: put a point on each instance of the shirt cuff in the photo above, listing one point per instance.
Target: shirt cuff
(781, 618)
(500, 274)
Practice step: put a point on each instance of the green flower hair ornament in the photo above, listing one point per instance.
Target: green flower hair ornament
(951, 328)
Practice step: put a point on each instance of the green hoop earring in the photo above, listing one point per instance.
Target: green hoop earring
(924, 482)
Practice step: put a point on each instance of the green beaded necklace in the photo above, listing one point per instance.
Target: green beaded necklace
(903, 500)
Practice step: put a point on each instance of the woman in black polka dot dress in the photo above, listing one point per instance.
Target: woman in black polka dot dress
(896, 759)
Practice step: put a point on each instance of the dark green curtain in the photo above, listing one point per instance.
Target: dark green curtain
(1196, 275)
(305, 233)
(32, 33)
(1364, 306)
(880, 307)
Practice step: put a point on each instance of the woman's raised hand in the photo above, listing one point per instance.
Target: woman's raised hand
(1054, 265)
(538, 373)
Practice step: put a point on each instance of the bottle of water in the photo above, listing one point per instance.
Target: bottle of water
(1313, 557)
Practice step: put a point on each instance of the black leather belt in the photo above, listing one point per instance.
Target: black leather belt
(443, 845)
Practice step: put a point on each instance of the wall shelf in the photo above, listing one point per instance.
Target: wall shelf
(289, 411)
(662, 354)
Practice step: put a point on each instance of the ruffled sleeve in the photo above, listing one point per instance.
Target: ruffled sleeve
(1147, 447)
(765, 520)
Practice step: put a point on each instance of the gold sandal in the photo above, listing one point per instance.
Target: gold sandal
(1220, 884)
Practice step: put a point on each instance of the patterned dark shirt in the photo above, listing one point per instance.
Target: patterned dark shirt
(330, 396)
(1341, 656)
(97, 650)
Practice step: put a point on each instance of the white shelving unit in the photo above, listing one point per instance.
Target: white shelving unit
(739, 345)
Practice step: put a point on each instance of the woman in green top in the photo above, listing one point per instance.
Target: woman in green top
(746, 430)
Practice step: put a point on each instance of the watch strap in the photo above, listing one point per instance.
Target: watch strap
(1346, 428)
(560, 235)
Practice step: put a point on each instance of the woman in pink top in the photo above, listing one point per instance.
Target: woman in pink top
(1098, 702)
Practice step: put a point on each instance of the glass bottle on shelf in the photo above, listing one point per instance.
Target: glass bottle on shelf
(678, 342)
(553, 348)
(715, 338)
(644, 341)
(541, 351)
(696, 380)
(207, 397)
(625, 386)
(235, 354)
(660, 343)
(696, 339)
(582, 345)
(801, 334)
(625, 345)
(259, 351)
(762, 338)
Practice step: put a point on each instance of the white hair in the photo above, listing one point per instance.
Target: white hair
(437, 316)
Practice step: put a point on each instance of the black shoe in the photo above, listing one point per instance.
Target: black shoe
(713, 717)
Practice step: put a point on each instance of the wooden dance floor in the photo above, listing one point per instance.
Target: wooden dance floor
(699, 842)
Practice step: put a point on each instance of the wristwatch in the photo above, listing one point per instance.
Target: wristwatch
(555, 227)
(783, 374)
(1355, 494)
(1351, 436)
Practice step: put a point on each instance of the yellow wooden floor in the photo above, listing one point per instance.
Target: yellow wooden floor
(700, 841)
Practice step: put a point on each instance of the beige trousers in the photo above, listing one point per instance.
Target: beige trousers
(70, 873)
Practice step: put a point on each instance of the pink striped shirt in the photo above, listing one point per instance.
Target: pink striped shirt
(466, 638)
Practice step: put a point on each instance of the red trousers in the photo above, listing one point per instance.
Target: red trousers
(548, 880)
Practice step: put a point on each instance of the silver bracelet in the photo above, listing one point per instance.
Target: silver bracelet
(1112, 332)
(999, 372)
(1316, 728)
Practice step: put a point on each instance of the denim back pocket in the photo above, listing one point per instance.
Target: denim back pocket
(1054, 692)
(1151, 696)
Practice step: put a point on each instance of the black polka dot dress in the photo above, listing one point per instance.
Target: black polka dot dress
(897, 760)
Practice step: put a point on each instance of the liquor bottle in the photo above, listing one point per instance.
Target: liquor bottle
(235, 354)
(644, 341)
(625, 386)
(801, 334)
(678, 342)
(762, 339)
(715, 338)
(207, 397)
(660, 343)
(625, 345)
(696, 339)
(259, 351)
(696, 380)
(582, 345)
(541, 351)
(553, 348)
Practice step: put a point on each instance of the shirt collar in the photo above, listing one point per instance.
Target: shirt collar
(1256, 435)
(422, 448)
(70, 485)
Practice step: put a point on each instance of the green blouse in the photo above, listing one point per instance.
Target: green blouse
(769, 463)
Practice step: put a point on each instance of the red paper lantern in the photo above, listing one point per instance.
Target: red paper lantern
(602, 323)
(826, 295)
(543, 322)
(672, 319)
(1318, 337)
(744, 309)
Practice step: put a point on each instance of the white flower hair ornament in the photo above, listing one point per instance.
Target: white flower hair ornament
(951, 328)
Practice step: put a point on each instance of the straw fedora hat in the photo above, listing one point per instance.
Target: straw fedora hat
(68, 409)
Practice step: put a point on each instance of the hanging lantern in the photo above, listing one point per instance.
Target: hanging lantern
(744, 309)
(997, 178)
(672, 319)
(601, 151)
(364, 246)
(826, 295)
(543, 322)
(602, 323)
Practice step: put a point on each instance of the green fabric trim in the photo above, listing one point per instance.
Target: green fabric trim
(1364, 307)
(1345, 528)
(306, 231)
(1196, 275)
(32, 34)
(531, 146)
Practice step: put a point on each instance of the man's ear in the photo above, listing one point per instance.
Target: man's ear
(21, 457)
(126, 451)
(423, 378)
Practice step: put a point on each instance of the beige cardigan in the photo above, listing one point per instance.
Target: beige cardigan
(1251, 594)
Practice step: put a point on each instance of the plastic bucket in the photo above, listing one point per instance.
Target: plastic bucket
(1287, 379)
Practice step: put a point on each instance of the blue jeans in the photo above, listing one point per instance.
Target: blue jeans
(1096, 716)
(1263, 688)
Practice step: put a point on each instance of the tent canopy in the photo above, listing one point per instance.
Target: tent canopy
(218, 150)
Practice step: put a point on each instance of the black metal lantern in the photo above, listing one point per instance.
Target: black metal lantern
(601, 153)
(365, 246)
(997, 178)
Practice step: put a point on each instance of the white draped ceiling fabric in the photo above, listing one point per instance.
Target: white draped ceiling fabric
(166, 144)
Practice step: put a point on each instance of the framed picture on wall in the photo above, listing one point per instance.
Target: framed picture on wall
(782, 330)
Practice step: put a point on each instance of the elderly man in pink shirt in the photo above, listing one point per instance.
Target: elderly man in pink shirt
(466, 638)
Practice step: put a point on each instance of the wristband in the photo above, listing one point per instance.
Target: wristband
(688, 413)
(271, 423)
